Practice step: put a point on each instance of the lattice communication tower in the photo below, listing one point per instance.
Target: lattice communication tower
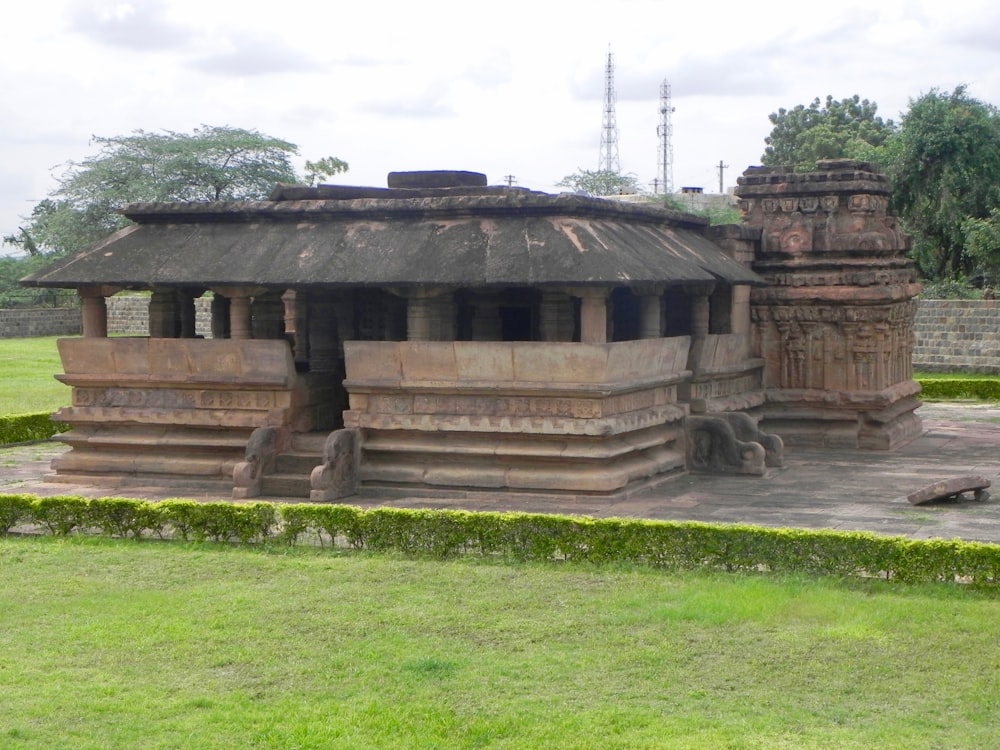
(609, 161)
(665, 132)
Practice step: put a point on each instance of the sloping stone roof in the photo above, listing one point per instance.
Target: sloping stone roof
(340, 236)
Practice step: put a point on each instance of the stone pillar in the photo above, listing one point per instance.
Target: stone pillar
(267, 314)
(239, 308)
(343, 309)
(486, 322)
(220, 317)
(296, 323)
(650, 312)
(430, 315)
(701, 315)
(164, 314)
(593, 314)
(418, 318)
(741, 309)
(239, 318)
(94, 310)
(324, 343)
(555, 316)
(186, 317)
(701, 311)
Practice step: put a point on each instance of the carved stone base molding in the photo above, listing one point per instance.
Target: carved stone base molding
(553, 417)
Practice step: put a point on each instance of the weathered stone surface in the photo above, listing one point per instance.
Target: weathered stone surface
(746, 429)
(501, 236)
(442, 178)
(337, 476)
(951, 489)
(553, 343)
(261, 452)
(713, 447)
(835, 321)
(174, 407)
(525, 416)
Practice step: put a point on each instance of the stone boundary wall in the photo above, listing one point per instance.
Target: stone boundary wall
(951, 335)
(957, 336)
(129, 316)
(39, 321)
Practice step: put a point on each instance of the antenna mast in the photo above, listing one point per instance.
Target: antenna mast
(665, 131)
(608, 160)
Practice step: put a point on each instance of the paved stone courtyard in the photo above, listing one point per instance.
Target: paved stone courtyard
(829, 489)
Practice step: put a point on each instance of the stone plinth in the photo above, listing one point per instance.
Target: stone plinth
(724, 376)
(516, 416)
(835, 323)
(173, 410)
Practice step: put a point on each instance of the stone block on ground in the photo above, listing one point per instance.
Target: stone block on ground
(951, 489)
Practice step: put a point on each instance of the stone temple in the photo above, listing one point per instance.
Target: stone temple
(444, 337)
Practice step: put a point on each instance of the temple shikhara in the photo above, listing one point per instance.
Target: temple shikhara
(444, 337)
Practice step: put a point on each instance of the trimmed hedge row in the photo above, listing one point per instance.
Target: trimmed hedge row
(947, 389)
(28, 428)
(521, 536)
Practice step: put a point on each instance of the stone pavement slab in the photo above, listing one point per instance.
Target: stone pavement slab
(816, 488)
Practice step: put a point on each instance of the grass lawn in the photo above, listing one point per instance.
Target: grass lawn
(110, 644)
(27, 376)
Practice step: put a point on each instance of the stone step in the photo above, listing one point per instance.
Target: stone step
(309, 442)
(286, 485)
(297, 462)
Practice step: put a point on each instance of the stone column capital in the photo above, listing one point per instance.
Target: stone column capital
(421, 292)
(98, 290)
(588, 292)
(648, 290)
(242, 292)
(700, 288)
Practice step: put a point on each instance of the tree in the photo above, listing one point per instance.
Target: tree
(209, 164)
(982, 244)
(600, 182)
(328, 166)
(945, 169)
(848, 128)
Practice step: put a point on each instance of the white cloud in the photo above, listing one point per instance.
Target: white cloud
(139, 26)
(509, 89)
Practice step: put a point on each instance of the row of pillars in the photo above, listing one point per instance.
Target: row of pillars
(172, 312)
(430, 313)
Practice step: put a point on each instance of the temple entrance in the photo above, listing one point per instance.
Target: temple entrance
(516, 323)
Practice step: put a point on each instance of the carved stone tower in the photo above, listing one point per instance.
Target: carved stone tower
(835, 323)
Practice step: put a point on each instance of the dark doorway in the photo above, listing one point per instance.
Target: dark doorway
(516, 323)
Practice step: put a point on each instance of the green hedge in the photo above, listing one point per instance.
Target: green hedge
(28, 428)
(521, 536)
(947, 389)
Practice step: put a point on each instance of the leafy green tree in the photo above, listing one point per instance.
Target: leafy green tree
(848, 128)
(945, 169)
(14, 295)
(209, 164)
(328, 166)
(982, 244)
(600, 182)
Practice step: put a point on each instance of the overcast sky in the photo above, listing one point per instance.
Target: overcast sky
(505, 88)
